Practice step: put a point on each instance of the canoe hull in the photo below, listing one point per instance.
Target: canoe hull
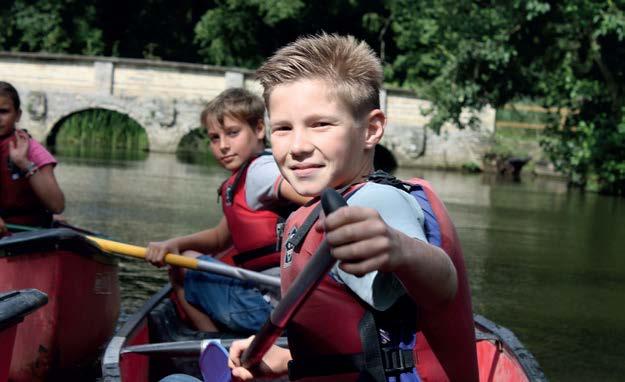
(14, 306)
(68, 334)
(501, 357)
(7, 339)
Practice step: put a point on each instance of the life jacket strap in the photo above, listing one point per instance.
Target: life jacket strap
(395, 361)
(252, 254)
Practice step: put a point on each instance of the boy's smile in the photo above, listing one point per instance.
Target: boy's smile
(235, 142)
(315, 139)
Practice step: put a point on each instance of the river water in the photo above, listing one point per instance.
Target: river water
(545, 262)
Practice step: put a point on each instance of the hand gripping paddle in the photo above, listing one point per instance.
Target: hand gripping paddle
(216, 358)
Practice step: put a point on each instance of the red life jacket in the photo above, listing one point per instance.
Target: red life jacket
(336, 328)
(335, 336)
(18, 202)
(254, 232)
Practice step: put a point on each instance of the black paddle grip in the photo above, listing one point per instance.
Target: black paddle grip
(331, 201)
(303, 285)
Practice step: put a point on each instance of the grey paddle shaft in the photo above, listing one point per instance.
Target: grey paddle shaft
(185, 348)
(239, 273)
(308, 279)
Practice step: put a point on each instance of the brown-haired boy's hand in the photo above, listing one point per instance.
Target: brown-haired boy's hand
(361, 240)
(157, 250)
(274, 363)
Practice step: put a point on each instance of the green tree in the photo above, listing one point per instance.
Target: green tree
(55, 26)
(245, 32)
(561, 54)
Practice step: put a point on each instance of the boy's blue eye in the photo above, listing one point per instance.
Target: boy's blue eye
(233, 133)
(321, 124)
(280, 128)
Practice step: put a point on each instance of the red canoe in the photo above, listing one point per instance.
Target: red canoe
(14, 306)
(62, 340)
(501, 356)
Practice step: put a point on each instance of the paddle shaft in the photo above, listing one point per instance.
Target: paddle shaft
(189, 262)
(172, 259)
(308, 279)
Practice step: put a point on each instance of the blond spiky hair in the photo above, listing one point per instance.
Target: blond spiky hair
(350, 66)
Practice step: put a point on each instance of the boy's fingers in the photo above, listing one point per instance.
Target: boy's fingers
(237, 348)
(348, 215)
(356, 231)
(241, 374)
(362, 250)
(363, 267)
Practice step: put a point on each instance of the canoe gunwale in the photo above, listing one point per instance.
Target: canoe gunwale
(112, 355)
(486, 330)
(15, 305)
(53, 239)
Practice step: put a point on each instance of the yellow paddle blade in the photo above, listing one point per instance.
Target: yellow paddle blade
(139, 252)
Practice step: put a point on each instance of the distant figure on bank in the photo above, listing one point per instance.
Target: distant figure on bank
(29, 192)
(254, 200)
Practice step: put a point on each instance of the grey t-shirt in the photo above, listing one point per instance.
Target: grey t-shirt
(261, 191)
(261, 183)
(400, 211)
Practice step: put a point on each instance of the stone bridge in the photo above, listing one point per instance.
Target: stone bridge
(166, 98)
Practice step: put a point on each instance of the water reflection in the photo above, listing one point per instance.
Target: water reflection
(544, 261)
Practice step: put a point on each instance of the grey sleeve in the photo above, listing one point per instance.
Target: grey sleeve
(261, 181)
(400, 211)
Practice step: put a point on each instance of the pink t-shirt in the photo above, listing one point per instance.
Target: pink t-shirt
(39, 155)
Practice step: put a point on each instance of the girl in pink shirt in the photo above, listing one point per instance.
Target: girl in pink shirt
(29, 192)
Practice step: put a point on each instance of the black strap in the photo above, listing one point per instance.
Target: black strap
(303, 230)
(242, 257)
(370, 339)
(325, 365)
(394, 362)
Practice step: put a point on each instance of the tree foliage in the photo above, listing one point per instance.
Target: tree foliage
(458, 53)
(565, 55)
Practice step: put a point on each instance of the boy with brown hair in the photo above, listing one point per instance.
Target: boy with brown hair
(253, 198)
(322, 96)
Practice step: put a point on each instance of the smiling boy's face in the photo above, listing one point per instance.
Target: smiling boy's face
(315, 139)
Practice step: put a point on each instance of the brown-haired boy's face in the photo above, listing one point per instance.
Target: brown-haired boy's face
(234, 142)
(315, 139)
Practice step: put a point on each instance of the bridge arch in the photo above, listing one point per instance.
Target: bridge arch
(55, 126)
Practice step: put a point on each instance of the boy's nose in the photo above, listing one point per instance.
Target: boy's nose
(300, 143)
(224, 144)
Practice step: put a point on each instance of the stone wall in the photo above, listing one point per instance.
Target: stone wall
(166, 99)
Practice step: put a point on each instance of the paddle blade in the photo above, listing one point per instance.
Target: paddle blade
(214, 363)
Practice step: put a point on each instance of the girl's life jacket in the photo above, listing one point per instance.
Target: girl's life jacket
(254, 233)
(18, 202)
(336, 334)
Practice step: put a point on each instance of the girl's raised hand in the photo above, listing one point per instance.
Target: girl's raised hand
(18, 149)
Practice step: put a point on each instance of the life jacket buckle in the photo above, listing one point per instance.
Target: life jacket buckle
(397, 361)
(279, 232)
(229, 195)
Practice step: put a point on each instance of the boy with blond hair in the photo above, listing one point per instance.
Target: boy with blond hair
(322, 96)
